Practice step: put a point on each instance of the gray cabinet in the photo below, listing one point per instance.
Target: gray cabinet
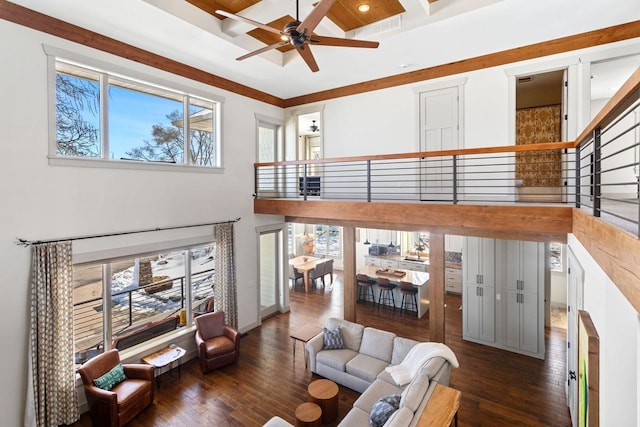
(503, 294)
(478, 295)
(478, 262)
(478, 314)
(523, 303)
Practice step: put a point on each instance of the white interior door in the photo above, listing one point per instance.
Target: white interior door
(439, 130)
(575, 279)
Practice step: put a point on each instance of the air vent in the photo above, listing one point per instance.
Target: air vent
(525, 79)
(368, 31)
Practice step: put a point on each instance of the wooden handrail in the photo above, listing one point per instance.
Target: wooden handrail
(621, 100)
(422, 154)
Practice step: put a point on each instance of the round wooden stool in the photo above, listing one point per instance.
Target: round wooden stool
(308, 415)
(325, 394)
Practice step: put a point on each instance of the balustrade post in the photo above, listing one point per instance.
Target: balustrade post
(578, 178)
(455, 179)
(304, 182)
(255, 182)
(130, 309)
(368, 180)
(596, 171)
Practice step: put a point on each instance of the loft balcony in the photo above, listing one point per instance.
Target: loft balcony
(523, 191)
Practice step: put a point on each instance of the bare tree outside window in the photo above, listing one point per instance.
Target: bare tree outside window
(77, 101)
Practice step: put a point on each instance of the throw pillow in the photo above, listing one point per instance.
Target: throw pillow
(112, 378)
(383, 409)
(332, 339)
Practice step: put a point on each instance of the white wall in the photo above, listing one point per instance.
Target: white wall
(41, 201)
(615, 320)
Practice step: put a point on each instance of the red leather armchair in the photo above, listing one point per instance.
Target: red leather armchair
(118, 406)
(218, 344)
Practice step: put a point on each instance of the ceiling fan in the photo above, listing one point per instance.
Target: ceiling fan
(299, 34)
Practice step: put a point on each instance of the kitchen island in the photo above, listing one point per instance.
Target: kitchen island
(419, 279)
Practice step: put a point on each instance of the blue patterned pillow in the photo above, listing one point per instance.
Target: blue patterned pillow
(383, 409)
(111, 379)
(332, 339)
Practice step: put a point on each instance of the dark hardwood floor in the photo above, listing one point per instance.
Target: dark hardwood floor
(499, 388)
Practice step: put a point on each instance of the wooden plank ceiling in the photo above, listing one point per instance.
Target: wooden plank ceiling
(344, 13)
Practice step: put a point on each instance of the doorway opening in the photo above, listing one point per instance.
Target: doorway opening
(310, 148)
(540, 118)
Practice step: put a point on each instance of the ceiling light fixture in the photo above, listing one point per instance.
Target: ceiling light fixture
(364, 8)
(314, 127)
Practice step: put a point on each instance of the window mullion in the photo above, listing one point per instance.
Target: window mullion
(186, 121)
(106, 306)
(104, 116)
(187, 286)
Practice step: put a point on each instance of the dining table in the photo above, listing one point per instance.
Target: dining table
(305, 264)
(419, 279)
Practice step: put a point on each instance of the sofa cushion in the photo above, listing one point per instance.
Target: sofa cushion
(351, 332)
(374, 392)
(432, 366)
(336, 359)
(414, 392)
(365, 367)
(377, 343)
(332, 339)
(383, 409)
(401, 347)
(400, 418)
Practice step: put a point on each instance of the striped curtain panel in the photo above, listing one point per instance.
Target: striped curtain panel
(226, 286)
(52, 400)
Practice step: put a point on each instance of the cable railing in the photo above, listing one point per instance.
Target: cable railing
(599, 171)
(132, 308)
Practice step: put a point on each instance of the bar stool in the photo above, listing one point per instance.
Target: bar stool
(409, 292)
(366, 285)
(386, 292)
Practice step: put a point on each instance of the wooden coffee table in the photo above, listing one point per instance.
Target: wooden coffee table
(308, 415)
(325, 394)
(303, 335)
(165, 357)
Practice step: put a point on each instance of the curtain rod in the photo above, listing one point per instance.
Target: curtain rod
(24, 242)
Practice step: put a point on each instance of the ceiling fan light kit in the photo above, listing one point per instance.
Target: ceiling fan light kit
(300, 34)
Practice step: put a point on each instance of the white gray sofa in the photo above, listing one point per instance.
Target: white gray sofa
(361, 367)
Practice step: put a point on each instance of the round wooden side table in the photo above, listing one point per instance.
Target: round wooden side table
(308, 415)
(325, 394)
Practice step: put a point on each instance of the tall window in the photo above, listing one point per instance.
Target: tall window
(138, 291)
(111, 117)
(328, 240)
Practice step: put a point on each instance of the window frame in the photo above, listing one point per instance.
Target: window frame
(55, 54)
(107, 301)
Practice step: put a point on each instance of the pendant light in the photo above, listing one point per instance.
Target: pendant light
(366, 241)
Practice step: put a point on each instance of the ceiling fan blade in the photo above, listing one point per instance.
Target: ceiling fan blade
(261, 50)
(249, 21)
(336, 41)
(306, 54)
(311, 22)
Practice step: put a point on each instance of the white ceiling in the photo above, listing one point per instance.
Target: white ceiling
(431, 34)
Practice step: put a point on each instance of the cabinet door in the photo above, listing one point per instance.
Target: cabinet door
(530, 266)
(471, 312)
(529, 333)
(478, 313)
(512, 318)
(488, 261)
(471, 260)
(488, 315)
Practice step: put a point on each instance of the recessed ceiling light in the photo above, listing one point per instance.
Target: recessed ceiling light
(364, 8)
